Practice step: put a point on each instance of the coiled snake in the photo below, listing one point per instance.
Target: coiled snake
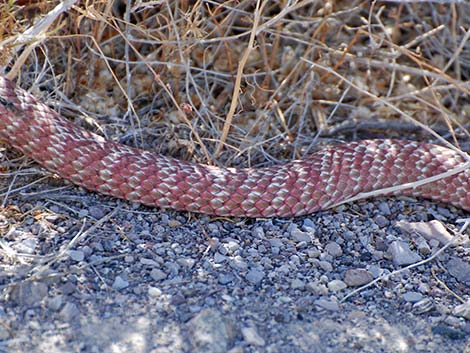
(322, 180)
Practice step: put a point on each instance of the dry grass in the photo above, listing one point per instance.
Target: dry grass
(257, 81)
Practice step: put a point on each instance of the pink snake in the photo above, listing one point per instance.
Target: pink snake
(300, 187)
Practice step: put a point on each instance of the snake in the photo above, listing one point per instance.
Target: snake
(320, 181)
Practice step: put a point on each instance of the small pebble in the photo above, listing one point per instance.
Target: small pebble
(4, 333)
(154, 292)
(258, 232)
(317, 288)
(26, 246)
(68, 288)
(402, 254)
(357, 277)
(174, 223)
(225, 278)
(381, 221)
(158, 275)
(238, 263)
(55, 303)
(297, 235)
(29, 293)
(210, 331)
(336, 285)
(297, 284)
(251, 336)
(423, 306)
(462, 310)
(96, 212)
(333, 249)
(148, 262)
(460, 269)
(423, 247)
(232, 246)
(277, 243)
(76, 255)
(309, 225)
(254, 275)
(219, 258)
(448, 332)
(412, 297)
(69, 312)
(120, 283)
(326, 266)
(327, 304)
(385, 209)
(177, 299)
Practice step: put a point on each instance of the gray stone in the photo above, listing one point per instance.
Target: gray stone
(120, 283)
(232, 245)
(172, 267)
(186, 262)
(317, 288)
(334, 249)
(297, 235)
(76, 255)
(309, 225)
(55, 303)
(459, 269)
(158, 275)
(4, 333)
(29, 293)
(258, 232)
(154, 292)
(69, 312)
(423, 247)
(210, 332)
(336, 285)
(297, 284)
(423, 306)
(402, 254)
(68, 288)
(381, 221)
(412, 297)
(326, 266)
(276, 243)
(357, 277)
(251, 336)
(254, 276)
(463, 310)
(328, 304)
(225, 278)
(96, 212)
(384, 208)
(238, 263)
(219, 258)
(26, 246)
(149, 262)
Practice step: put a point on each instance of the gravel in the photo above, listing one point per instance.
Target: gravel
(179, 284)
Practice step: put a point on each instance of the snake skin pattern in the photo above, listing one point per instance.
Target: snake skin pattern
(296, 188)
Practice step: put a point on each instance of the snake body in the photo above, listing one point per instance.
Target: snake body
(300, 187)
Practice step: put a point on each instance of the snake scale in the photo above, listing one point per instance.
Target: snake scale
(299, 187)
